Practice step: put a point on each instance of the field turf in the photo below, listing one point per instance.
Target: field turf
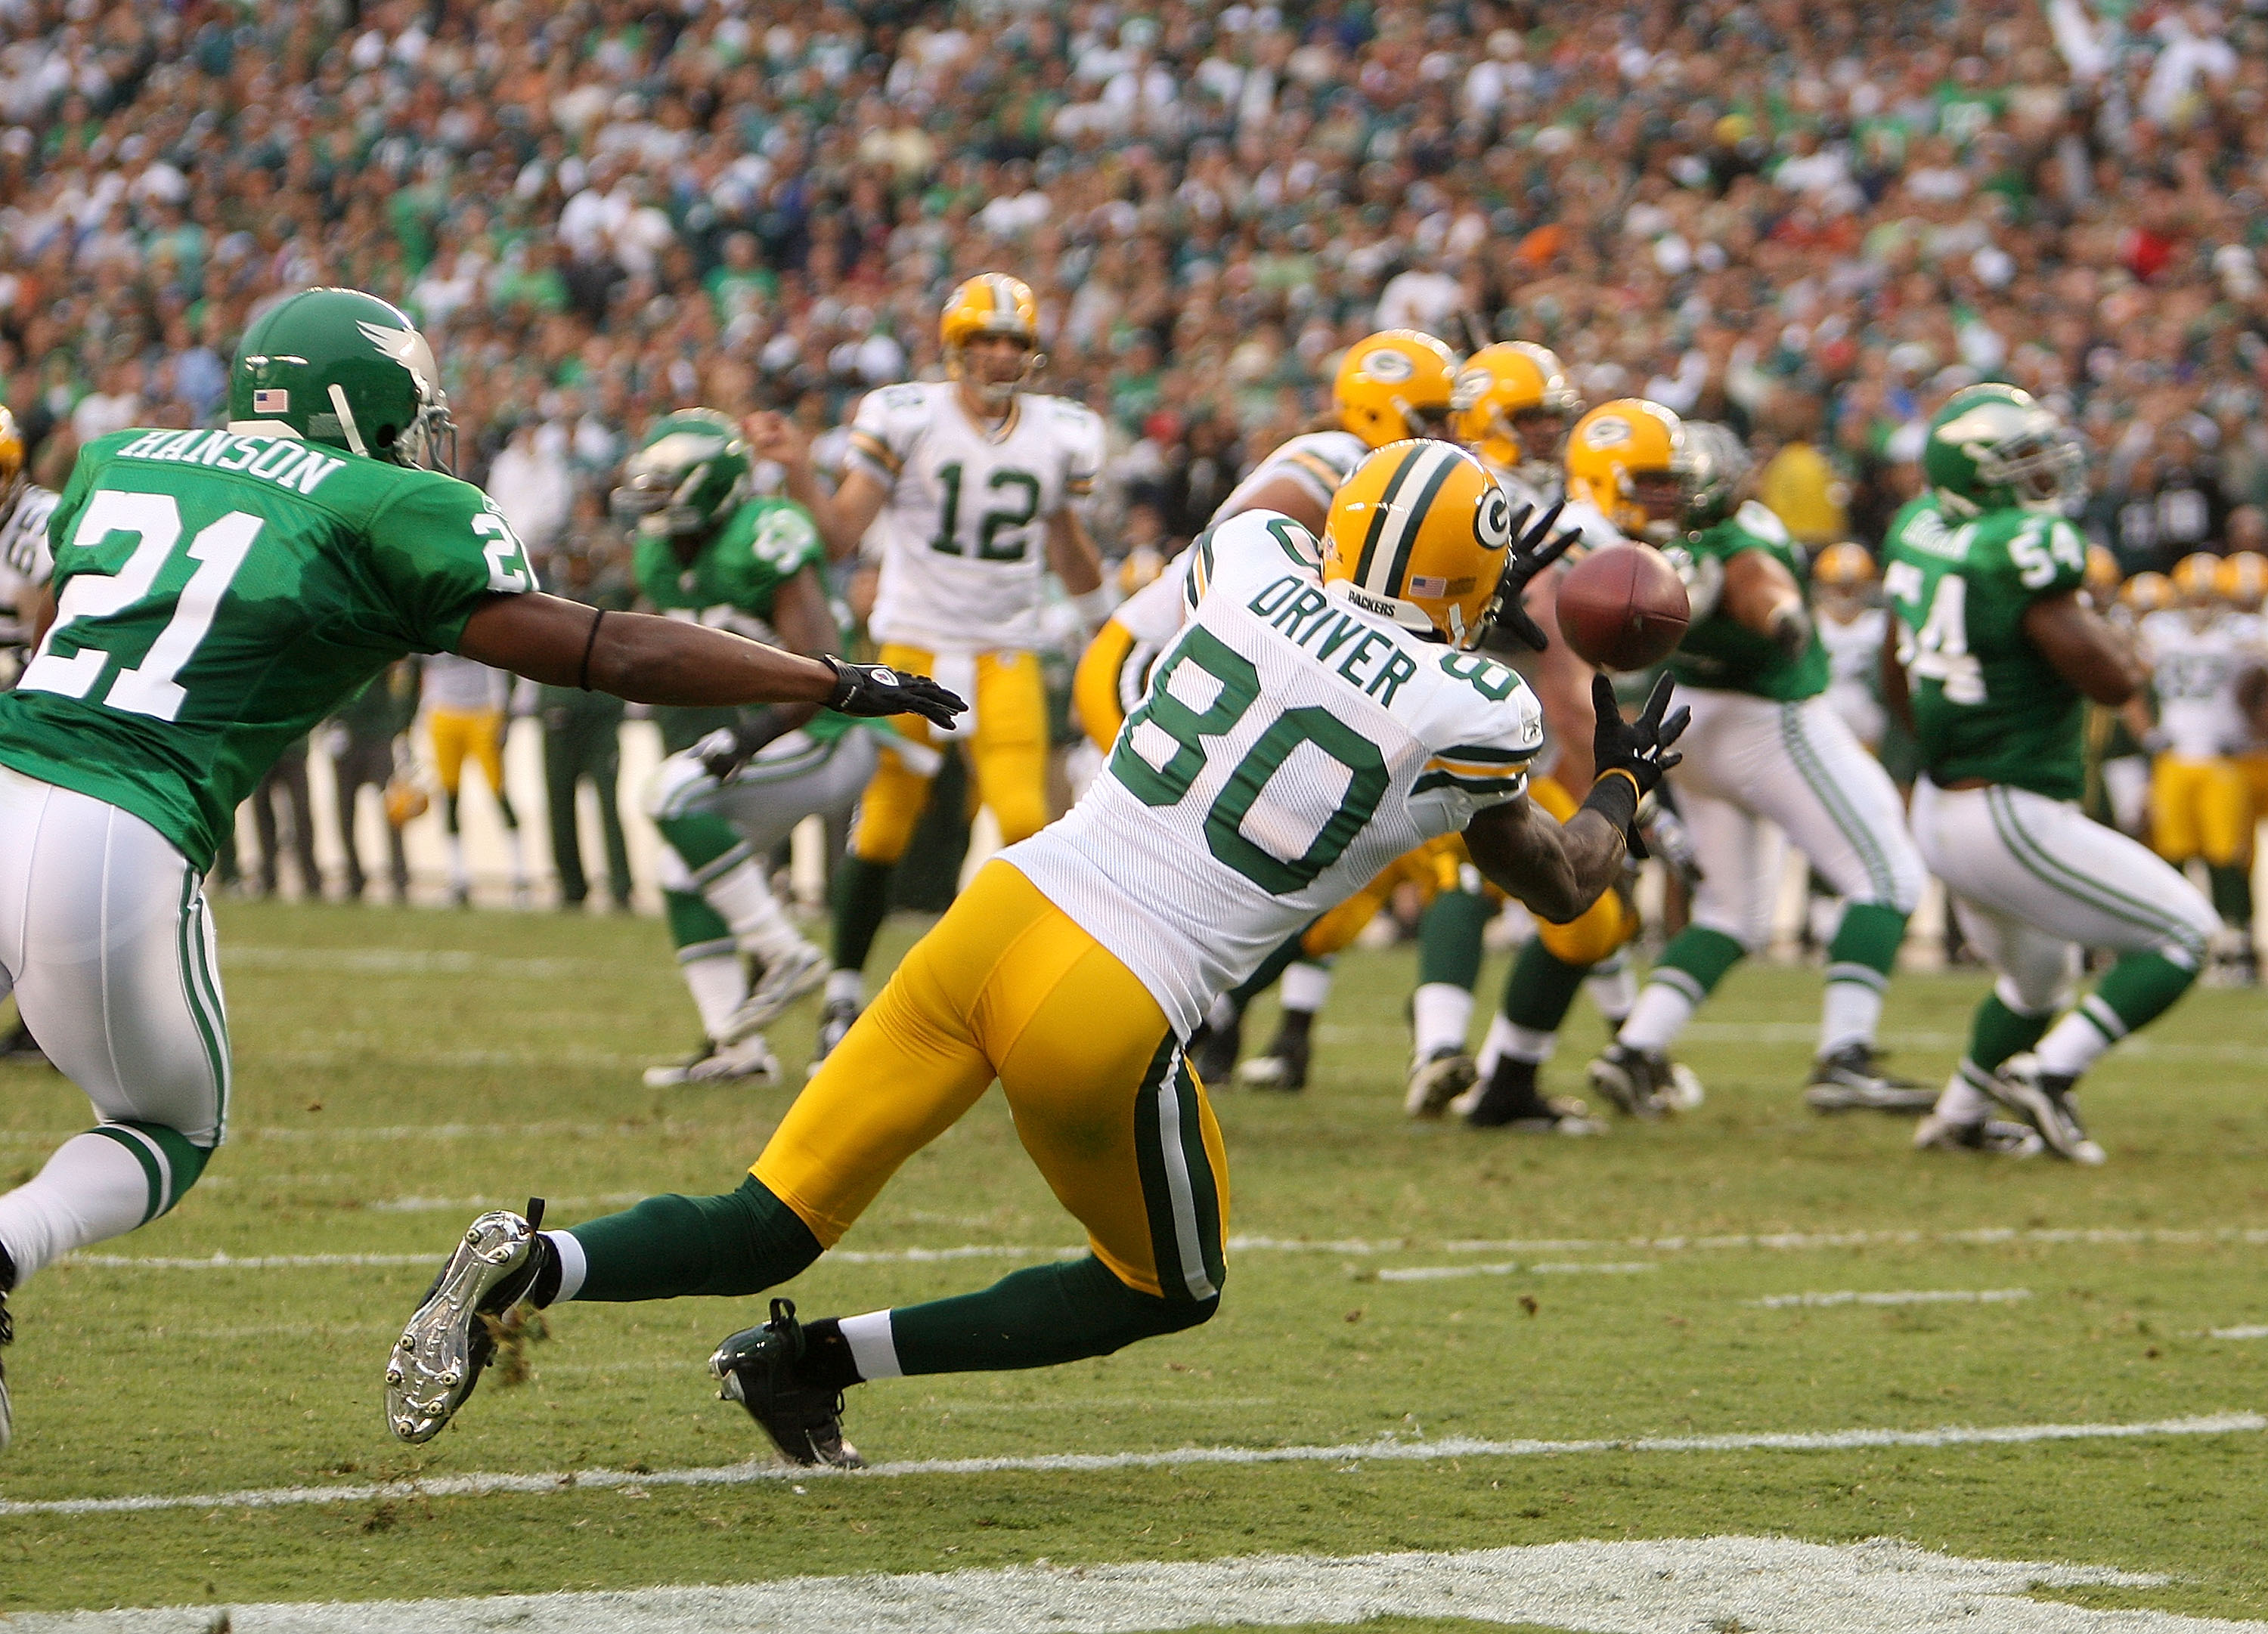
(398, 1070)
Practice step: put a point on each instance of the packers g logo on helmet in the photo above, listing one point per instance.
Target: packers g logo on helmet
(1418, 532)
(1629, 459)
(1500, 384)
(1395, 385)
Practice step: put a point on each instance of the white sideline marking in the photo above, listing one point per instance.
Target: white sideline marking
(1673, 1585)
(1443, 1273)
(1903, 1296)
(1384, 1451)
(2237, 1332)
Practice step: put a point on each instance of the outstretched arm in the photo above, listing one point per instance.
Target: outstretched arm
(1762, 595)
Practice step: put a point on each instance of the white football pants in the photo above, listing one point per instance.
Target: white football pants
(1755, 770)
(106, 939)
(2033, 878)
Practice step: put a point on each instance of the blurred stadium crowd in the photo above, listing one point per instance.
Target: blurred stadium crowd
(1809, 221)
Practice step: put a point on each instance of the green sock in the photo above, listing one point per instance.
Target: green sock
(731, 1246)
(1998, 1033)
(1039, 1317)
(700, 840)
(2140, 988)
(1867, 940)
(1696, 959)
(2232, 893)
(862, 902)
(1449, 939)
(1541, 988)
(695, 929)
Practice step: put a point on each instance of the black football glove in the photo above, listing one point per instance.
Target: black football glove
(1640, 748)
(872, 690)
(1534, 548)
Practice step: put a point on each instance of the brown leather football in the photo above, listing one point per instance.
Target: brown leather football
(1623, 607)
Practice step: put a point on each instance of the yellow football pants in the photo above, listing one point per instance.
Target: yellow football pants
(477, 734)
(1007, 986)
(1007, 754)
(1094, 685)
(2201, 808)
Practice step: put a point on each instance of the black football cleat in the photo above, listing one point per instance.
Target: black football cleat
(1852, 1080)
(756, 1367)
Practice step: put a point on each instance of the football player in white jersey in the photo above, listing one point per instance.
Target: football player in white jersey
(1850, 623)
(968, 491)
(1304, 729)
(2200, 652)
(24, 567)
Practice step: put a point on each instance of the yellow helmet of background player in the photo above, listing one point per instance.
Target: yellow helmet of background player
(990, 303)
(1417, 531)
(2102, 574)
(2196, 577)
(2148, 592)
(2242, 580)
(1497, 387)
(1843, 566)
(12, 454)
(1395, 385)
(1628, 457)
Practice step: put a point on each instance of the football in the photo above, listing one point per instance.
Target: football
(1623, 607)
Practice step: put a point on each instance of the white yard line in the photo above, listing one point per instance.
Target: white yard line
(1671, 1585)
(454, 963)
(1509, 1267)
(1902, 1296)
(2237, 1332)
(1348, 1456)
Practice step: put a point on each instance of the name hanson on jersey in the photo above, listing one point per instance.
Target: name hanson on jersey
(283, 460)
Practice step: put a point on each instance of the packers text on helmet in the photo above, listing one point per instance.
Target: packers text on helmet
(1419, 532)
(1629, 459)
(1395, 385)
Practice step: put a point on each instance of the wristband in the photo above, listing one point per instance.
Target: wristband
(1093, 605)
(1614, 797)
(583, 675)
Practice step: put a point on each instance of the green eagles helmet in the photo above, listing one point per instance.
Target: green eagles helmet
(686, 476)
(1994, 447)
(345, 369)
(1720, 466)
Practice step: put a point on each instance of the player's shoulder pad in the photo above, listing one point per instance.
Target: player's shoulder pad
(1252, 549)
(1758, 519)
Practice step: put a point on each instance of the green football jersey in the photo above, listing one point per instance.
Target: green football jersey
(1985, 703)
(730, 584)
(1720, 653)
(217, 594)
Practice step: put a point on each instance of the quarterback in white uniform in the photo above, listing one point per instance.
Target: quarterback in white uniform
(1303, 730)
(968, 491)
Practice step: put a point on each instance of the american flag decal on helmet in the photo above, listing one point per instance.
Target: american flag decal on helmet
(1426, 584)
(271, 400)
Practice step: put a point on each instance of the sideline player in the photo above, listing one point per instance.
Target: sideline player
(708, 551)
(2203, 654)
(1302, 731)
(1772, 759)
(970, 487)
(25, 566)
(216, 593)
(464, 709)
(1998, 648)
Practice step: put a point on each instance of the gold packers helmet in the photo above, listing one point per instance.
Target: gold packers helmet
(1502, 384)
(2103, 576)
(1628, 457)
(990, 303)
(11, 455)
(2196, 580)
(1395, 385)
(2242, 580)
(1845, 567)
(2148, 592)
(1419, 532)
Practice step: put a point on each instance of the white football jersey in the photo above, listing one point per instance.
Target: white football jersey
(460, 685)
(1854, 667)
(25, 564)
(1291, 744)
(2194, 673)
(963, 536)
(1318, 462)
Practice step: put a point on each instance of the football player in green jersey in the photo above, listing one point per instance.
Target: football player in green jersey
(1998, 651)
(708, 551)
(1771, 759)
(214, 594)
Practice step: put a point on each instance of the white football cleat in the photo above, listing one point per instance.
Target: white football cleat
(441, 1353)
(749, 1061)
(785, 979)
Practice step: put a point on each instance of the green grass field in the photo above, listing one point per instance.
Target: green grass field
(398, 1070)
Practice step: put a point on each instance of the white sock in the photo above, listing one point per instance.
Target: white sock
(1306, 986)
(92, 1189)
(846, 987)
(2077, 1041)
(573, 1265)
(743, 900)
(1521, 1044)
(1962, 1103)
(717, 983)
(1850, 1013)
(1220, 1015)
(873, 1348)
(1440, 1013)
(458, 877)
(1613, 988)
(1657, 1019)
